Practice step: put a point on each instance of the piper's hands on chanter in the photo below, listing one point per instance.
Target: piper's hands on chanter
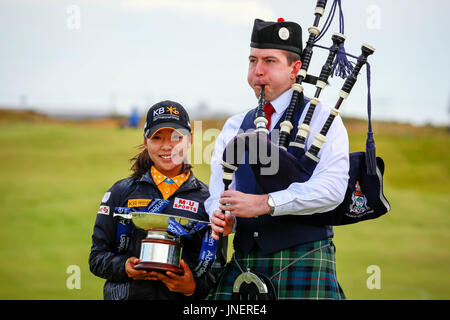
(237, 204)
(244, 205)
(221, 223)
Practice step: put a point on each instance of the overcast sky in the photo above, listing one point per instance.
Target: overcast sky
(111, 55)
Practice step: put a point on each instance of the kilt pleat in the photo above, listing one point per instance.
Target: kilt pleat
(313, 276)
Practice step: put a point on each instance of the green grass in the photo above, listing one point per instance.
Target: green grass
(53, 176)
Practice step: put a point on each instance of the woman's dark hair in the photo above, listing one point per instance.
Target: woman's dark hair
(142, 163)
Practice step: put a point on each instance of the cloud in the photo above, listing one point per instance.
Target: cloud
(231, 11)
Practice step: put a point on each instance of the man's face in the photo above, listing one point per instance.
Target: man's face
(270, 67)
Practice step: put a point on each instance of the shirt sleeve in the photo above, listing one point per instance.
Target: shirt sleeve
(326, 188)
(216, 186)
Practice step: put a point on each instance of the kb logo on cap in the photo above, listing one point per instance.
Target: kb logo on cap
(171, 110)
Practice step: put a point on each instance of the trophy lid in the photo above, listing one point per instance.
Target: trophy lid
(158, 212)
(149, 220)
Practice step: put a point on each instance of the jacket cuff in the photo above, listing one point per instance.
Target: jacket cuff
(119, 272)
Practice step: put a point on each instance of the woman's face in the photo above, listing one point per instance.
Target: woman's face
(167, 149)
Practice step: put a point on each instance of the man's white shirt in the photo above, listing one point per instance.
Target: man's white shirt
(326, 188)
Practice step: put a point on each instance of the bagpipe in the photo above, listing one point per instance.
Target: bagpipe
(364, 197)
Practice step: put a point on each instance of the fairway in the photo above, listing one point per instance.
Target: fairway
(54, 174)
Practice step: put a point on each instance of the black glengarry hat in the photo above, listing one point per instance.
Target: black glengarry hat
(284, 35)
(166, 114)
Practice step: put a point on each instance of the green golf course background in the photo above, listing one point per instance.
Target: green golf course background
(54, 174)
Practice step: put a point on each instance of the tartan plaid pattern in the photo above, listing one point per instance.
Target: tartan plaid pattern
(311, 277)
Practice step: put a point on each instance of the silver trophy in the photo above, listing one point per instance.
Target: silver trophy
(160, 251)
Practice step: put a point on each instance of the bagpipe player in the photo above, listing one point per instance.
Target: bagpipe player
(298, 259)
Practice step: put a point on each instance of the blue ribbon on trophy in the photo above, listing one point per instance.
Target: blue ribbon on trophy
(209, 245)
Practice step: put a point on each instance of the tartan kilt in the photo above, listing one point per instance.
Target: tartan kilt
(311, 277)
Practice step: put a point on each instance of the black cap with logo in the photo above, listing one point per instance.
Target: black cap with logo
(166, 114)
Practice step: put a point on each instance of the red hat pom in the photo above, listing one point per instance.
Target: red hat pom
(280, 20)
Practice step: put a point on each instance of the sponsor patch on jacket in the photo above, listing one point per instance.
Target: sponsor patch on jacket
(103, 210)
(138, 202)
(106, 197)
(184, 204)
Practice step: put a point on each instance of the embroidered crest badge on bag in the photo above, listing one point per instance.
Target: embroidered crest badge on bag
(358, 207)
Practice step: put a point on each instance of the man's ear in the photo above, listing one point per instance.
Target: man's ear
(295, 69)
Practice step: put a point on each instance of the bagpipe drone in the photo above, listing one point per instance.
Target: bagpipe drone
(364, 198)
